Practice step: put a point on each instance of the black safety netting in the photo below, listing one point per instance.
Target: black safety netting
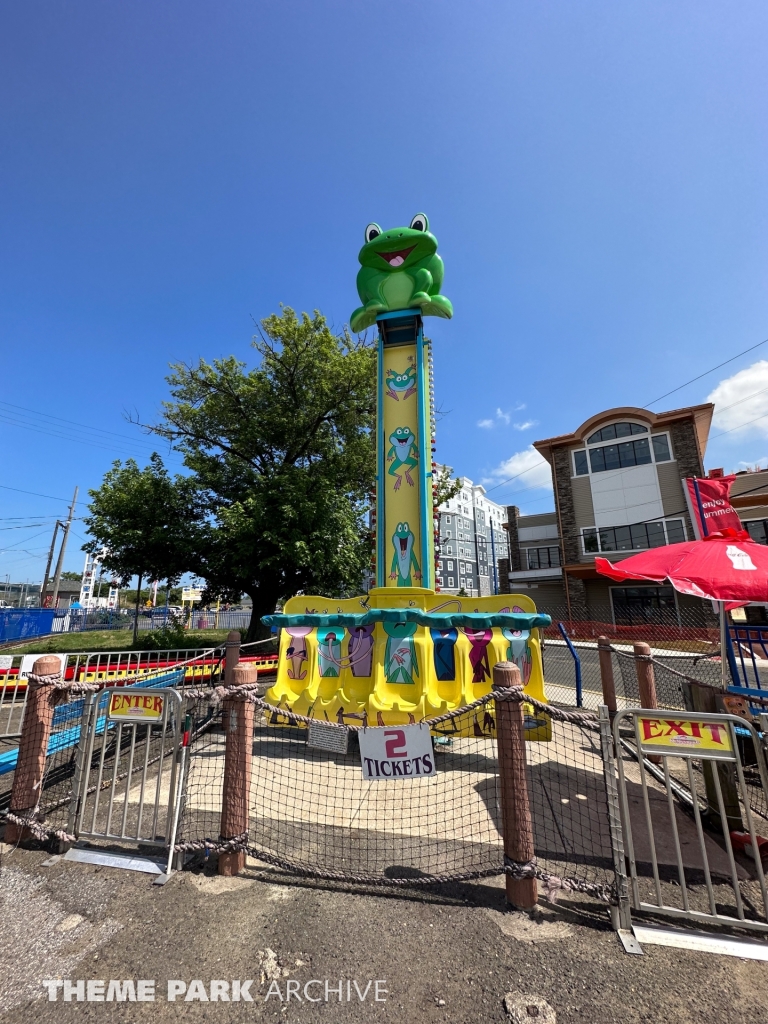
(312, 812)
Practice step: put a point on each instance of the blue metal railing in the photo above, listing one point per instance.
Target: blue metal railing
(748, 671)
(63, 739)
(576, 662)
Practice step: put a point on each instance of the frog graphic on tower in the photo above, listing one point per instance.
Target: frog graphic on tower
(404, 560)
(403, 455)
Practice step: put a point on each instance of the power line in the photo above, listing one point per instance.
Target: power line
(103, 443)
(739, 426)
(73, 423)
(15, 519)
(26, 540)
(706, 372)
(731, 406)
(511, 478)
(35, 493)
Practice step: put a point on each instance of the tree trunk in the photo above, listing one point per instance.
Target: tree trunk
(136, 615)
(263, 604)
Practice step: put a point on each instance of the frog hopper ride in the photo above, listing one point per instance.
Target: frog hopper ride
(403, 652)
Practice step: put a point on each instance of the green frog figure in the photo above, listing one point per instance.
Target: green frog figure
(399, 269)
(403, 455)
(404, 563)
(401, 383)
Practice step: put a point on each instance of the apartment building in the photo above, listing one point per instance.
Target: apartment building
(472, 539)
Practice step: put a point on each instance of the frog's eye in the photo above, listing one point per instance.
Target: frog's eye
(420, 222)
(371, 232)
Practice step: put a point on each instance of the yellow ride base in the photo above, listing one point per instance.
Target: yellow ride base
(391, 674)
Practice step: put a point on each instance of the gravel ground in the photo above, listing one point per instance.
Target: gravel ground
(447, 958)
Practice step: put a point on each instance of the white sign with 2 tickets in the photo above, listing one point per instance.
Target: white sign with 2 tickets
(402, 752)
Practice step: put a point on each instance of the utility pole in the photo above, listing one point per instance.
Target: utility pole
(48, 564)
(62, 549)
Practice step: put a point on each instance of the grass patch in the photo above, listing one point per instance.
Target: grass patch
(112, 640)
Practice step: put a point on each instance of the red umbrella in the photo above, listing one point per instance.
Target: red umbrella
(726, 566)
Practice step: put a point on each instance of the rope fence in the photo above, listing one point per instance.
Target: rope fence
(309, 811)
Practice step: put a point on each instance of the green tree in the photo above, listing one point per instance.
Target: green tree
(443, 486)
(147, 522)
(283, 456)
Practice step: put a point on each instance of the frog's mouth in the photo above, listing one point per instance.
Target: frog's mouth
(397, 259)
(403, 545)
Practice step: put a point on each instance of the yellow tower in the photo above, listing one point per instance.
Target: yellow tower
(403, 652)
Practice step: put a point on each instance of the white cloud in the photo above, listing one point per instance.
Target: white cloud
(525, 426)
(741, 401)
(505, 418)
(531, 471)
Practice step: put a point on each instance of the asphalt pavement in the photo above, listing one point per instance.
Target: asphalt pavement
(447, 957)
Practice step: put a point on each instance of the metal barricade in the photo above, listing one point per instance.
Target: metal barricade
(681, 799)
(113, 666)
(126, 774)
(13, 696)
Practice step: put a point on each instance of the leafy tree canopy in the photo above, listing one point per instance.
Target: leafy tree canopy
(283, 457)
(145, 519)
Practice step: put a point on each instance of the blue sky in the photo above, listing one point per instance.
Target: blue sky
(594, 172)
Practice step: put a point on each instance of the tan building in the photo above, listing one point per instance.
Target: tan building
(618, 489)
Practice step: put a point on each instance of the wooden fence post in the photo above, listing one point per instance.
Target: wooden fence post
(33, 745)
(646, 684)
(606, 674)
(646, 677)
(238, 715)
(517, 827)
(232, 656)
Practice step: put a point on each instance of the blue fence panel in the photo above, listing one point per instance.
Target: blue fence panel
(19, 623)
(63, 739)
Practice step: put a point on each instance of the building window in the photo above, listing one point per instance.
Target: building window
(450, 565)
(661, 451)
(757, 529)
(637, 605)
(543, 558)
(450, 581)
(449, 550)
(623, 455)
(614, 430)
(462, 581)
(439, 581)
(620, 456)
(636, 537)
(447, 519)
